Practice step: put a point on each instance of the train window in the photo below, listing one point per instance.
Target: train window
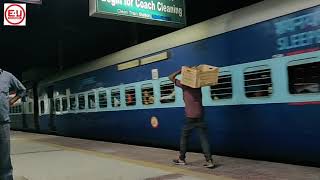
(81, 102)
(57, 105)
(115, 98)
(42, 107)
(91, 100)
(30, 107)
(20, 108)
(16, 109)
(64, 104)
(304, 78)
(147, 94)
(258, 83)
(130, 96)
(167, 92)
(103, 101)
(73, 104)
(222, 90)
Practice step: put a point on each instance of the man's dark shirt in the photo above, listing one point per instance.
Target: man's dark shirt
(193, 100)
(8, 81)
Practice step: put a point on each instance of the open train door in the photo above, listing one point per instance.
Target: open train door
(52, 114)
(29, 116)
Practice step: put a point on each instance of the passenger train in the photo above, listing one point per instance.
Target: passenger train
(264, 106)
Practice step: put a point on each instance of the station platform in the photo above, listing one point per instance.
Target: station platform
(47, 157)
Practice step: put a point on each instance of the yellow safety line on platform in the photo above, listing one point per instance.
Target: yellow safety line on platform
(138, 162)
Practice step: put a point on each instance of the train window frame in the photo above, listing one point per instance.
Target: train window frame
(134, 98)
(81, 108)
(258, 70)
(151, 95)
(105, 104)
(64, 106)
(20, 110)
(89, 105)
(55, 104)
(172, 94)
(17, 109)
(303, 62)
(222, 75)
(71, 107)
(113, 97)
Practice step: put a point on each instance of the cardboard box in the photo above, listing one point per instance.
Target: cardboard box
(200, 76)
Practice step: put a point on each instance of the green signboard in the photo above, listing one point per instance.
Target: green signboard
(160, 12)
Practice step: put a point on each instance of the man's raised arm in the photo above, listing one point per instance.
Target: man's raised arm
(172, 76)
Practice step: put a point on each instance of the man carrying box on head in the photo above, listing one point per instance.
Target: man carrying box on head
(194, 119)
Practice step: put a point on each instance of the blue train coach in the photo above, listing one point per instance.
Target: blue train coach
(264, 107)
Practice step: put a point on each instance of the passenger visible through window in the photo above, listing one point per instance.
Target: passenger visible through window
(57, 105)
(81, 102)
(167, 92)
(147, 94)
(115, 98)
(73, 104)
(91, 100)
(222, 90)
(258, 83)
(103, 101)
(304, 78)
(130, 96)
(16, 109)
(64, 104)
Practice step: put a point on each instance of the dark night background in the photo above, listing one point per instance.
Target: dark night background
(60, 34)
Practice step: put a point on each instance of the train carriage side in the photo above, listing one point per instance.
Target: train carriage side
(264, 106)
(22, 114)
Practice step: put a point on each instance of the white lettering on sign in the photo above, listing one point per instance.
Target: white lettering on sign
(120, 11)
(144, 15)
(298, 31)
(14, 14)
(146, 5)
(169, 9)
(158, 12)
(128, 2)
(113, 2)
